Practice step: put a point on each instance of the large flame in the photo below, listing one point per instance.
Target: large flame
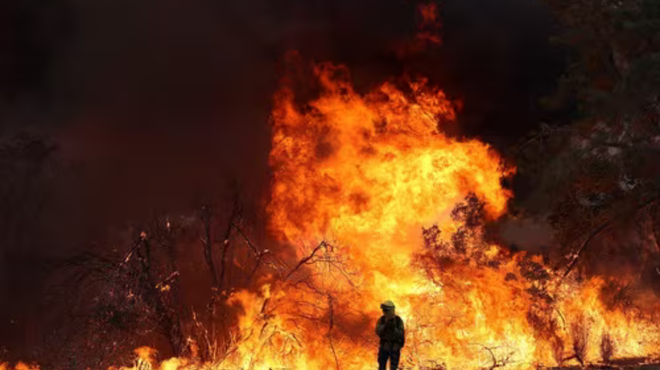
(365, 174)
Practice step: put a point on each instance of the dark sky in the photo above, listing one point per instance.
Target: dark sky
(157, 104)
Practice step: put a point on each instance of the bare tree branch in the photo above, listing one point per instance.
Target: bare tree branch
(206, 216)
(604, 226)
(235, 213)
(259, 255)
(306, 259)
(502, 362)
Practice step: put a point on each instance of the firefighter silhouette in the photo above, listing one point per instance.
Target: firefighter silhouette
(392, 337)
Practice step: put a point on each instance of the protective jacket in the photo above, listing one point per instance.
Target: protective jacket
(391, 333)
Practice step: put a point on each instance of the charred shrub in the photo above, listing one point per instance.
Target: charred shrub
(616, 295)
(558, 350)
(606, 348)
(471, 212)
(580, 336)
(546, 327)
(467, 243)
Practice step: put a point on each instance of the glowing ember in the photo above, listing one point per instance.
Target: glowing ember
(429, 26)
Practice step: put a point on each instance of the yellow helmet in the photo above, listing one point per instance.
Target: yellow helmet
(387, 305)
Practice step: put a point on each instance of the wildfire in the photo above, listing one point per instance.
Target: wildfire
(379, 204)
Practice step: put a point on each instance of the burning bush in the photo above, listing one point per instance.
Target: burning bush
(558, 350)
(580, 336)
(606, 348)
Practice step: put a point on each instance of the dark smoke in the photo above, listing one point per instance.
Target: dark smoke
(154, 105)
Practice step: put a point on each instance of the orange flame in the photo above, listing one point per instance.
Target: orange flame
(372, 164)
(428, 31)
(429, 25)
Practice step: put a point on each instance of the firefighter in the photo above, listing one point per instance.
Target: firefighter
(392, 337)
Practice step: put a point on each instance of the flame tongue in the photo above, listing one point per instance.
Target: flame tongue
(373, 166)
